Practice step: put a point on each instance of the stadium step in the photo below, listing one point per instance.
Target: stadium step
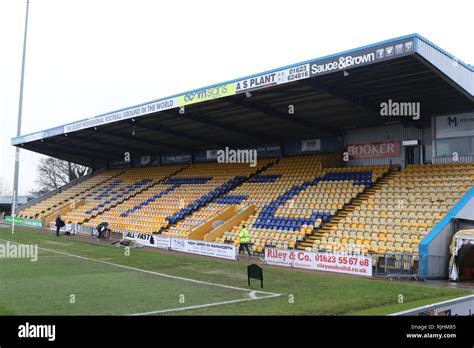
(257, 172)
(348, 209)
(76, 195)
(315, 236)
(145, 188)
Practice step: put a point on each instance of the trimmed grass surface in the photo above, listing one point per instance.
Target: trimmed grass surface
(394, 308)
(46, 286)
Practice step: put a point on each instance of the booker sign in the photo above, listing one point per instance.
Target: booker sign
(374, 150)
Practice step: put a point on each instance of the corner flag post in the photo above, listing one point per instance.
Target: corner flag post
(18, 130)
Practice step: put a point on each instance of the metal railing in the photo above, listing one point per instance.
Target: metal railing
(81, 229)
(396, 265)
(453, 160)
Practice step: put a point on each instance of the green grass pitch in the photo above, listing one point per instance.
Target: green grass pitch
(77, 277)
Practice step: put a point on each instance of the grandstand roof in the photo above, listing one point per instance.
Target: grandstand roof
(327, 95)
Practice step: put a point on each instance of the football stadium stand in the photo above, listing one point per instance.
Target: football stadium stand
(368, 150)
(297, 199)
(397, 213)
(118, 190)
(171, 200)
(260, 190)
(65, 197)
(300, 201)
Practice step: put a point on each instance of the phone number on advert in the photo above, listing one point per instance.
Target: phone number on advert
(344, 260)
(298, 73)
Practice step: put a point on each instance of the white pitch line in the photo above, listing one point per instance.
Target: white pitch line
(58, 243)
(179, 309)
(152, 272)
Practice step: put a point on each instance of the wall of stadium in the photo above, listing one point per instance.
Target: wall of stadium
(434, 247)
(359, 136)
(320, 145)
(388, 133)
(263, 151)
(287, 148)
(435, 263)
(453, 133)
(458, 306)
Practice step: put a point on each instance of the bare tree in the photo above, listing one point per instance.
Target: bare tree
(54, 173)
(37, 193)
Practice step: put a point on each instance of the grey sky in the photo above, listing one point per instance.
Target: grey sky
(92, 56)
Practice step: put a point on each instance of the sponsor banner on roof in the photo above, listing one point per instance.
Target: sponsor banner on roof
(52, 132)
(123, 114)
(318, 67)
(206, 94)
(363, 57)
(373, 150)
(296, 73)
(256, 82)
(461, 125)
(38, 136)
(274, 78)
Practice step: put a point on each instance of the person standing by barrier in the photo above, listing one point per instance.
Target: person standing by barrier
(59, 224)
(244, 237)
